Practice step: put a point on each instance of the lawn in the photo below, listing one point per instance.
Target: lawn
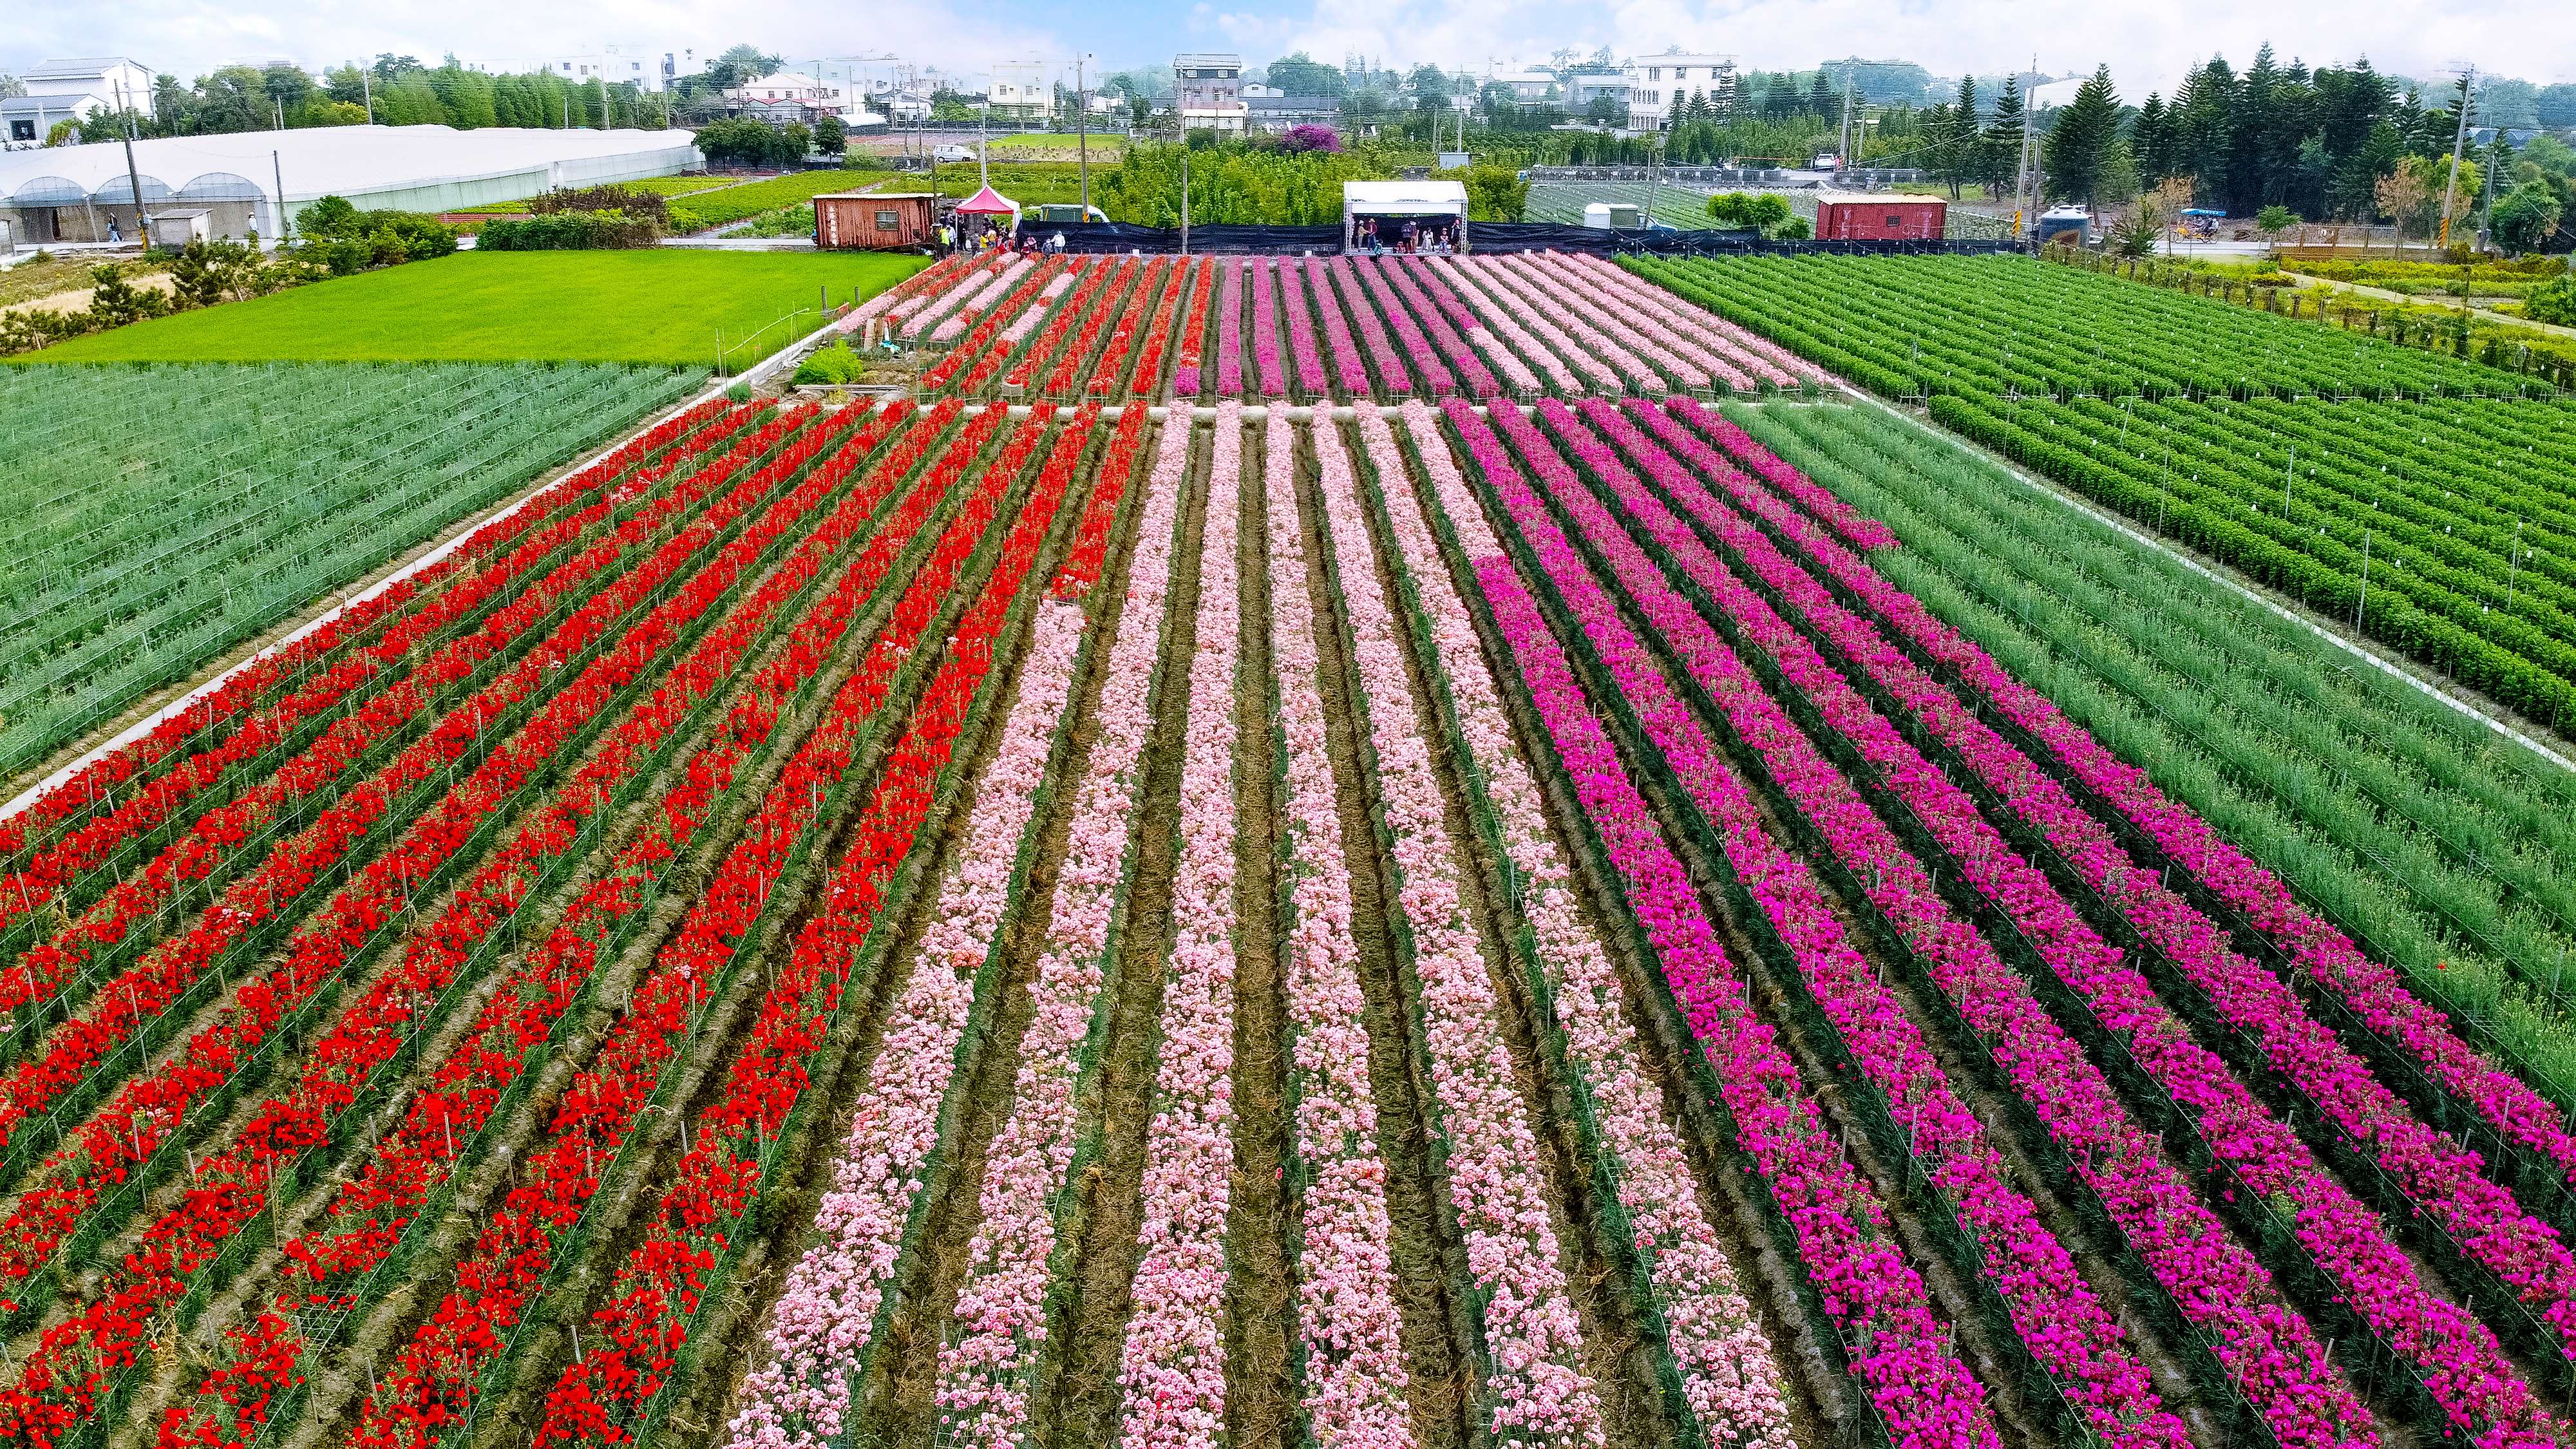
(643, 306)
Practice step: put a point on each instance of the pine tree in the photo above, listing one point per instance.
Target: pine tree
(1822, 102)
(1955, 156)
(2079, 144)
(2148, 141)
(2003, 141)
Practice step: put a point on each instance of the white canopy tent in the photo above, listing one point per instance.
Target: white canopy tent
(1426, 200)
(245, 177)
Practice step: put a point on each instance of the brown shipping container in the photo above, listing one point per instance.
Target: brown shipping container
(870, 221)
(1911, 218)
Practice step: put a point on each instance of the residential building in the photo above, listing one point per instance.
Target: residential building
(1211, 91)
(72, 90)
(1279, 111)
(791, 95)
(1582, 88)
(1660, 85)
(1018, 90)
(1526, 84)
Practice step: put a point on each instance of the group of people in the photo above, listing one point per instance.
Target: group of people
(1430, 236)
(994, 241)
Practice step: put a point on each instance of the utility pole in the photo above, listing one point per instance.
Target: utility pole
(367, 93)
(1843, 146)
(133, 177)
(285, 224)
(1082, 132)
(2459, 144)
(2021, 161)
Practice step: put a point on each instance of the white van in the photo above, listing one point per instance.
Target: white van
(953, 153)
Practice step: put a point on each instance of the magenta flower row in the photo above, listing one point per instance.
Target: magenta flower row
(1415, 348)
(1229, 327)
(1907, 1366)
(2053, 1309)
(1349, 369)
(1408, 279)
(2371, 988)
(1265, 328)
(2459, 1359)
(1371, 329)
(1311, 377)
(1856, 527)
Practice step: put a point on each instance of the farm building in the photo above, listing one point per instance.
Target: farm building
(1879, 217)
(72, 193)
(871, 221)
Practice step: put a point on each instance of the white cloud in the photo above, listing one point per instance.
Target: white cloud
(2145, 47)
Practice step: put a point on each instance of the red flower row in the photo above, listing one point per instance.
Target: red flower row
(148, 1112)
(657, 1291)
(218, 839)
(369, 1215)
(434, 1378)
(978, 347)
(1111, 370)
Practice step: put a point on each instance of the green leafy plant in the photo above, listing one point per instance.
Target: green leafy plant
(571, 231)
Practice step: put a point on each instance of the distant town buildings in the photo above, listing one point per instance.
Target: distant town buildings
(1018, 91)
(1211, 91)
(635, 65)
(72, 90)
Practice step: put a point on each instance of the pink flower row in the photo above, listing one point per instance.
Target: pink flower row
(1536, 1382)
(1526, 330)
(1349, 1327)
(1745, 352)
(1729, 1376)
(1172, 1367)
(1311, 378)
(1000, 1315)
(1265, 327)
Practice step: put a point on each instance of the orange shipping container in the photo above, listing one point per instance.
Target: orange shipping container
(874, 221)
(1889, 218)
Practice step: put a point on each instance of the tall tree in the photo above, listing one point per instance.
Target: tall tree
(2079, 146)
(1957, 158)
(2001, 169)
(1822, 99)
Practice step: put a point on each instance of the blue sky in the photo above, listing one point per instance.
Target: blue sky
(2146, 45)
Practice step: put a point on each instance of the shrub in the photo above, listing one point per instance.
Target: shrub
(747, 142)
(2554, 302)
(632, 200)
(1310, 137)
(571, 231)
(831, 365)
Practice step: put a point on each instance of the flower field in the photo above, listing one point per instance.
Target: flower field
(1607, 918)
(1070, 329)
(2417, 498)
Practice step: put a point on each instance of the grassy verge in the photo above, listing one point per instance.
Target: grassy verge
(666, 307)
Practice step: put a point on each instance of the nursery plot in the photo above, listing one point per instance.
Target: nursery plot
(159, 516)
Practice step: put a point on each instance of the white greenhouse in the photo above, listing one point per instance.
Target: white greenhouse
(73, 193)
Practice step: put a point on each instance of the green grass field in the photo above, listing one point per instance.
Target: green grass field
(657, 306)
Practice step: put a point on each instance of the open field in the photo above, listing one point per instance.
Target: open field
(735, 203)
(658, 307)
(1604, 892)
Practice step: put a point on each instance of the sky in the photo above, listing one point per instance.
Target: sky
(2148, 47)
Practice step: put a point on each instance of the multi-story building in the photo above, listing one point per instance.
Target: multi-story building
(1661, 85)
(1583, 87)
(1018, 90)
(73, 90)
(1527, 84)
(1211, 91)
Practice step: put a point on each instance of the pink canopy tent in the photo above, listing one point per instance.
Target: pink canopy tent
(993, 206)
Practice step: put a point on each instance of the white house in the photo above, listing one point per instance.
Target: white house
(1019, 90)
(1658, 85)
(1211, 94)
(1526, 84)
(73, 90)
(795, 88)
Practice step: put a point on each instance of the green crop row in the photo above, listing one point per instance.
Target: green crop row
(2009, 327)
(153, 517)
